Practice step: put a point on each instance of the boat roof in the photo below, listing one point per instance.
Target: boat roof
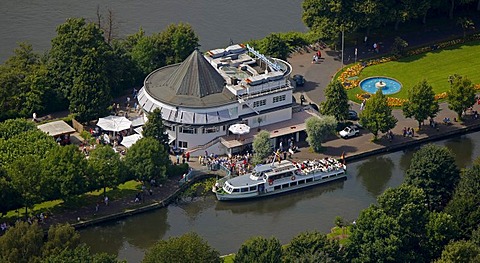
(243, 180)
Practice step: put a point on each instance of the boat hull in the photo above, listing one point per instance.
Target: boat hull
(269, 191)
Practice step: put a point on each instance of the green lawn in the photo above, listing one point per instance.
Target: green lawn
(433, 66)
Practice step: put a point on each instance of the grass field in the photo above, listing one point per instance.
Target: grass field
(435, 67)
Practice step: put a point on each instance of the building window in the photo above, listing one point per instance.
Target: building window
(188, 130)
(259, 103)
(182, 144)
(211, 129)
(279, 98)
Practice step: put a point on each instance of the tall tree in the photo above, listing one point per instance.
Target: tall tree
(377, 115)
(433, 169)
(187, 248)
(461, 95)
(90, 93)
(22, 84)
(460, 252)
(60, 237)
(273, 45)
(78, 66)
(464, 204)
(107, 167)
(64, 173)
(440, 230)
(259, 249)
(318, 129)
(25, 176)
(177, 42)
(328, 17)
(312, 247)
(261, 146)
(421, 103)
(336, 101)
(21, 243)
(154, 128)
(147, 159)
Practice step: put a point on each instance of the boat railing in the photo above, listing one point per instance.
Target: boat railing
(227, 176)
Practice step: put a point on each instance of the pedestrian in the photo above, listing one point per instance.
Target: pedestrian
(404, 131)
(375, 46)
(188, 156)
(97, 206)
(35, 117)
(413, 132)
(106, 200)
(178, 158)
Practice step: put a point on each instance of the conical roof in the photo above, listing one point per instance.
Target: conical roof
(195, 77)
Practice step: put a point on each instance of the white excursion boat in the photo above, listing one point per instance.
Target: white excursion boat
(279, 177)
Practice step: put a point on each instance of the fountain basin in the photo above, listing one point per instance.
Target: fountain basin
(386, 84)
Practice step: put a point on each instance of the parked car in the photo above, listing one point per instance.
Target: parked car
(299, 80)
(349, 131)
(352, 115)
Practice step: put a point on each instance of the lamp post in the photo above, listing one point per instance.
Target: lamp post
(343, 43)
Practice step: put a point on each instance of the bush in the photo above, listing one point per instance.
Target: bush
(177, 170)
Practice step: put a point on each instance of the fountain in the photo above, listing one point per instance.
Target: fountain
(380, 85)
(385, 84)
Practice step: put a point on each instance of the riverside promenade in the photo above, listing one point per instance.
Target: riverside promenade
(317, 78)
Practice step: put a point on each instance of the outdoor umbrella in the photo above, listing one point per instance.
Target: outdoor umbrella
(239, 129)
(130, 140)
(114, 123)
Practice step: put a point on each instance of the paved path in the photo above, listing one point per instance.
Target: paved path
(318, 76)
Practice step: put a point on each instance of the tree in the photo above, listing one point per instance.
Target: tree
(377, 115)
(464, 204)
(376, 237)
(273, 45)
(178, 42)
(328, 18)
(64, 173)
(14, 127)
(318, 129)
(262, 147)
(421, 103)
(80, 254)
(187, 248)
(440, 230)
(147, 159)
(25, 175)
(90, 93)
(433, 169)
(461, 95)
(259, 249)
(154, 128)
(312, 247)
(78, 67)
(21, 243)
(9, 197)
(336, 101)
(22, 83)
(460, 252)
(107, 166)
(60, 237)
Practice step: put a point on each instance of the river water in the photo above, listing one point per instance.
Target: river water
(215, 21)
(226, 225)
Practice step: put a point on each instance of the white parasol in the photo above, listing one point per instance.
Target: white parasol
(130, 140)
(114, 123)
(239, 129)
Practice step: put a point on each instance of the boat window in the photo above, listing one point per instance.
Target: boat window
(324, 177)
(301, 182)
(285, 185)
(309, 180)
(293, 183)
(235, 190)
(277, 187)
(253, 188)
(244, 189)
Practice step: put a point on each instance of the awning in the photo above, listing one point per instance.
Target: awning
(56, 128)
